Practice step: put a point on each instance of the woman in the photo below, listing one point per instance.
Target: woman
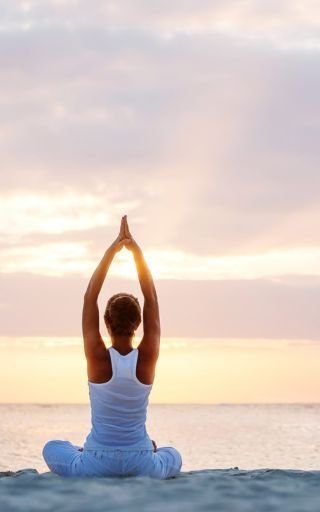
(120, 379)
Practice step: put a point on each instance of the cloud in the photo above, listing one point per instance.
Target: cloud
(199, 120)
(60, 257)
(276, 21)
(202, 118)
(51, 306)
(19, 213)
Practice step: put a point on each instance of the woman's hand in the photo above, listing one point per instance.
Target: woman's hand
(129, 241)
(119, 242)
(125, 239)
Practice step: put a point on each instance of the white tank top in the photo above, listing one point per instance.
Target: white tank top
(119, 407)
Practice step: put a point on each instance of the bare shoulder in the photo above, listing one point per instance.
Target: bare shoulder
(99, 368)
(150, 342)
(146, 364)
(149, 347)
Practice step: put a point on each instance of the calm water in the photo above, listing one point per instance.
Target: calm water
(208, 436)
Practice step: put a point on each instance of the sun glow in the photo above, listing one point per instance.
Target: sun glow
(220, 370)
(30, 224)
(27, 213)
(175, 264)
(58, 259)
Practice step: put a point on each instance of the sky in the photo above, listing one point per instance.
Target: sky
(200, 121)
(189, 370)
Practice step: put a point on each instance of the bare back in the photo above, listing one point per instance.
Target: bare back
(100, 370)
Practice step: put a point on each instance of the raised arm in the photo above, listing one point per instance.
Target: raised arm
(150, 343)
(94, 346)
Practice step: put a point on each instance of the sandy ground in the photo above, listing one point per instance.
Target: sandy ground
(227, 490)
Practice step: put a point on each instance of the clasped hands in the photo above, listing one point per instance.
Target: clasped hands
(124, 239)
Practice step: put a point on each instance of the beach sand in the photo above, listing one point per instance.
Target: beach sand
(250, 437)
(221, 490)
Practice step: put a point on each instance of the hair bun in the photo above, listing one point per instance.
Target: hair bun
(123, 314)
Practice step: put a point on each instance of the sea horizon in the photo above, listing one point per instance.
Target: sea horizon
(249, 436)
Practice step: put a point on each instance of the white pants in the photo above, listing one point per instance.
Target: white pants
(66, 459)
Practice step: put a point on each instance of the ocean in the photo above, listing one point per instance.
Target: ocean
(208, 436)
(260, 454)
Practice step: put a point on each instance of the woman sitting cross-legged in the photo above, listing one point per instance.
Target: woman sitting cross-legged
(120, 379)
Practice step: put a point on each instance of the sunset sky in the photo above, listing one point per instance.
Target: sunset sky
(200, 121)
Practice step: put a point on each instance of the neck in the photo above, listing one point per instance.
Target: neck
(122, 344)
